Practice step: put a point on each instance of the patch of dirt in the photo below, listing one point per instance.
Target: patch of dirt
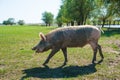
(2, 66)
(117, 43)
(112, 50)
(114, 62)
(109, 49)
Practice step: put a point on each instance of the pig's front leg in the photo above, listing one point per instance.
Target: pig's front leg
(65, 55)
(55, 50)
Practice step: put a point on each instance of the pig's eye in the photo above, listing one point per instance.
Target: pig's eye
(42, 43)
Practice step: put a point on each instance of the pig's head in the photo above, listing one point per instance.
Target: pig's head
(43, 45)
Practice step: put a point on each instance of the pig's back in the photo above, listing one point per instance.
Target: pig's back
(75, 37)
(71, 36)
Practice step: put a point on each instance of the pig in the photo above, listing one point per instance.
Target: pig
(72, 36)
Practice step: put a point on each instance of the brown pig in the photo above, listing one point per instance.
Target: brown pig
(73, 36)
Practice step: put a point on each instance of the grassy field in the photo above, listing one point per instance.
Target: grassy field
(18, 61)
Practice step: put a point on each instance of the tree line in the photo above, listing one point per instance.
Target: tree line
(86, 11)
(11, 21)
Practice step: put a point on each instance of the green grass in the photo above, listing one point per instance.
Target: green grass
(18, 61)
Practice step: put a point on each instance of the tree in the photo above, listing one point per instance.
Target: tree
(62, 17)
(59, 19)
(5, 22)
(104, 11)
(47, 17)
(81, 10)
(21, 22)
(10, 21)
(77, 10)
(116, 6)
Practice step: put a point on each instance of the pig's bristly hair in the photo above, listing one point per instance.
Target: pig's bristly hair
(42, 36)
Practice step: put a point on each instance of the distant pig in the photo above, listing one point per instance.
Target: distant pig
(73, 36)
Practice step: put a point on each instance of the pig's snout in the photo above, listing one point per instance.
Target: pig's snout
(34, 48)
(37, 50)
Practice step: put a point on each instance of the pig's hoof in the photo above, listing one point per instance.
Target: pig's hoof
(93, 62)
(100, 61)
(44, 64)
(64, 63)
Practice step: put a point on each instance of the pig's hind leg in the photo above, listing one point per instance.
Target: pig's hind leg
(64, 50)
(101, 54)
(94, 47)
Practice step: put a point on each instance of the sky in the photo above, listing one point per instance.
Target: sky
(28, 10)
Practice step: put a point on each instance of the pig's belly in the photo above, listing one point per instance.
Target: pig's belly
(75, 44)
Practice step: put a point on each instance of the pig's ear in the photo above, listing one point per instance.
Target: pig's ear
(42, 36)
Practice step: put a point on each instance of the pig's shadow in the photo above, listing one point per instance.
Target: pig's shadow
(59, 72)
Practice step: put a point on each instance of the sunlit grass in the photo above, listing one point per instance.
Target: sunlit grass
(16, 56)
